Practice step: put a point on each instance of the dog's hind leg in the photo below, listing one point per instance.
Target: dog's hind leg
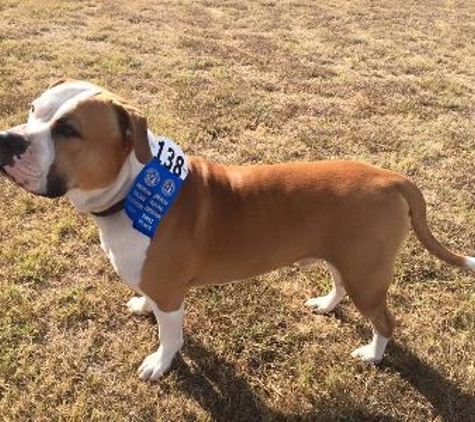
(367, 268)
(370, 297)
(374, 351)
(327, 303)
(383, 326)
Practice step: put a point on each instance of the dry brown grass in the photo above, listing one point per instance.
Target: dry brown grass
(387, 82)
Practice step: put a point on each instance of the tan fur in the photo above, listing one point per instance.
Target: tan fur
(231, 223)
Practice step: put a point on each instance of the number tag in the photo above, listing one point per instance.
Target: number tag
(170, 156)
(156, 186)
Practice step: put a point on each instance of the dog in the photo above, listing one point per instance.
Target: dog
(227, 223)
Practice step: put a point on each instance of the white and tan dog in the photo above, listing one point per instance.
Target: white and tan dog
(228, 223)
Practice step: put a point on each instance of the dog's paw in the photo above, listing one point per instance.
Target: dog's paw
(322, 304)
(367, 354)
(139, 305)
(155, 365)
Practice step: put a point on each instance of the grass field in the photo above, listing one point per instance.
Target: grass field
(386, 82)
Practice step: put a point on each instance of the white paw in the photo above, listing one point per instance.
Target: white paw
(322, 304)
(139, 306)
(367, 354)
(155, 365)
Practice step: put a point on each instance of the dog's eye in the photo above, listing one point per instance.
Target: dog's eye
(65, 129)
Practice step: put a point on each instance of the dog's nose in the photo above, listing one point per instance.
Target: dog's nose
(11, 145)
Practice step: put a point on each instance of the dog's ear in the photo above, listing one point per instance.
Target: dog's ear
(133, 126)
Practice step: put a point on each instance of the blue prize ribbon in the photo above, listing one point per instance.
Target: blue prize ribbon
(151, 196)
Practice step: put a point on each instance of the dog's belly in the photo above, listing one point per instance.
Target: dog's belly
(124, 246)
(255, 258)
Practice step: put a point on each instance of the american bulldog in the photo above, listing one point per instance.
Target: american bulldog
(228, 223)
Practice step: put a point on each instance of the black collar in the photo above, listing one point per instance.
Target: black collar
(114, 209)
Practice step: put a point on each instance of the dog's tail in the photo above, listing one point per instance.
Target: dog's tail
(417, 207)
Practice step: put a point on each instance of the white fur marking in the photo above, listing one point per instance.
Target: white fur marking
(140, 305)
(125, 247)
(324, 304)
(171, 339)
(373, 352)
(470, 262)
(327, 303)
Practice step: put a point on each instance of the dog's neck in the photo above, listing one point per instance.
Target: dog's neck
(110, 200)
(99, 200)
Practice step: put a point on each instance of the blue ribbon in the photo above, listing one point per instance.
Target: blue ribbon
(151, 196)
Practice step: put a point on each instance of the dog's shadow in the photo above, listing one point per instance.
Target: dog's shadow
(448, 400)
(214, 384)
(226, 396)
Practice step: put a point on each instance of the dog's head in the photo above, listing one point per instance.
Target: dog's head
(77, 136)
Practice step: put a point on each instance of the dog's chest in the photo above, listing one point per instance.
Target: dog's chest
(124, 246)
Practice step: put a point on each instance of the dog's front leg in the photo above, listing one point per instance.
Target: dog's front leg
(140, 305)
(170, 332)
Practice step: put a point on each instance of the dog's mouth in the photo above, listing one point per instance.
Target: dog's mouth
(23, 176)
(10, 177)
(4, 173)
